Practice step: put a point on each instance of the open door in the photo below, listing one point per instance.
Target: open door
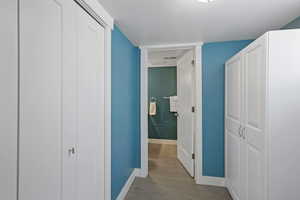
(186, 103)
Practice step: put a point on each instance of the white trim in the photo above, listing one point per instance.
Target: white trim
(171, 46)
(198, 116)
(164, 65)
(144, 105)
(214, 181)
(108, 114)
(144, 113)
(162, 141)
(128, 184)
(95, 9)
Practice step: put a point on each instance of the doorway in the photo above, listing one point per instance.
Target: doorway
(171, 119)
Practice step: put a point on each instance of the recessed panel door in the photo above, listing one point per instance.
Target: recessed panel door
(90, 106)
(186, 99)
(41, 127)
(233, 118)
(254, 122)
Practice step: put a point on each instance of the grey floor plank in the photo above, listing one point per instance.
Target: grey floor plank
(168, 180)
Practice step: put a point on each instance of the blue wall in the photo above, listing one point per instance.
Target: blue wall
(293, 24)
(214, 56)
(125, 110)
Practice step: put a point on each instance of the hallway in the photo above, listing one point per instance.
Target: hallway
(168, 180)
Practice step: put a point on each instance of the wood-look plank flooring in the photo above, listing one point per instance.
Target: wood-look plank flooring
(168, 180)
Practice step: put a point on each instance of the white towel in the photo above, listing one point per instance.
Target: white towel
(152, 109)
(173, 104)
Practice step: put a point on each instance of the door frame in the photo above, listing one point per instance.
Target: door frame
(197, 48)
(95, 9)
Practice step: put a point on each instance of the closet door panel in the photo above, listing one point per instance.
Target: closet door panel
(8, 100)
(69, 111)
(254, 132)
(91, 138)
(234, 94)
(233, 119)
(41, 59)
(233, 168)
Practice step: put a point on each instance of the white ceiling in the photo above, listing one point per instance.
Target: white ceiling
(151, 22)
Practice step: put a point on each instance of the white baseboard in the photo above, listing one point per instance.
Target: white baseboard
(162, 141)
(128, 184)
(213, 181)
(139, 173)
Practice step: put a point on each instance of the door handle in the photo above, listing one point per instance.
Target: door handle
(240, 131)
(244, 133)
(71, 151)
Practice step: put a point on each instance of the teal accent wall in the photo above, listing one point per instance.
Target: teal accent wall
(214, 56)
(162, 82)
(125, 110)
(293, 24)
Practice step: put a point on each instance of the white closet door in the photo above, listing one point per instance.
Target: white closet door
(69, 91)
(42, 59)
(254, 133)
(91, 137)
(8, 100)
(233, 117)
(186, 85)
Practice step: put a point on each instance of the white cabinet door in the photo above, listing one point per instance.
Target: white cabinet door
(185, 136)
(8, 99)
(233, 119)
(90, 107)
(254, 121)
(47, 121)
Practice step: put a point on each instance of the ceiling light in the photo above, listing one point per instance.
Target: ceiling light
(205, 1)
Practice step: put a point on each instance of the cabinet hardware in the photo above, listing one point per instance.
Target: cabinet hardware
(71, 151)
(193, 109)
(240, 131)
(244, 133)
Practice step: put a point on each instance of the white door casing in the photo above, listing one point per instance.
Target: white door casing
(186, 102)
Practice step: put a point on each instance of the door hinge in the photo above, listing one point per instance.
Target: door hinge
(193, 62)
(193, 156)
(193, 109)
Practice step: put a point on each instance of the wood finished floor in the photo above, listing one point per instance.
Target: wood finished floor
(168, 180)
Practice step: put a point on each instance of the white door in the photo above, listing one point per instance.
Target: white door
(233, 118)
(41, 66)
(185, 133)
(254, 131)
(61, 102)
(91, 146)
(8, 99)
